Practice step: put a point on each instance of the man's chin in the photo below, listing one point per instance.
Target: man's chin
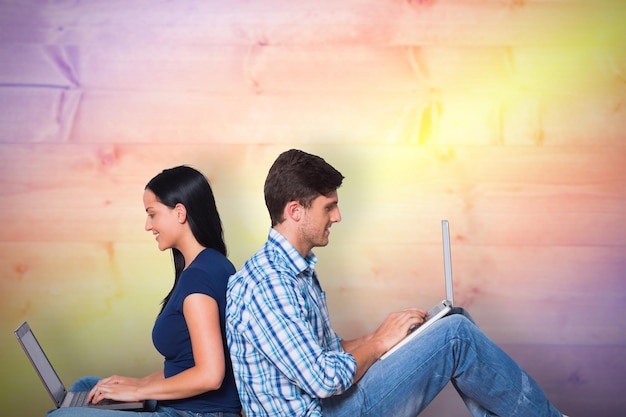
(323, 243)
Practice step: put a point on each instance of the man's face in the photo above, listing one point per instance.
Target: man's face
(317, 220)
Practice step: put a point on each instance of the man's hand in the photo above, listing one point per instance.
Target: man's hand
(397, 325)
(368, 349)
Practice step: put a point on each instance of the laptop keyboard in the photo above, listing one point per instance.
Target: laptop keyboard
(79, 399)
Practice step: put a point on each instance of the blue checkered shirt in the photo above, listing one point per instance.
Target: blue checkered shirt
(285, 354)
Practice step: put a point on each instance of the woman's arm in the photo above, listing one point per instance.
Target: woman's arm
(202, 317)
(127, 380)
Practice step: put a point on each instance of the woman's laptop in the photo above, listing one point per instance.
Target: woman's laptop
(444, 306)
(52, 382)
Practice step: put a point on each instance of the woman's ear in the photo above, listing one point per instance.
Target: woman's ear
(181, 213)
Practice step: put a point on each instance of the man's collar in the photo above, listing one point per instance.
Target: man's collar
(299, 263)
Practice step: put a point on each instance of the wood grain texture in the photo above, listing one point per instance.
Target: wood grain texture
(277, 22)
(550, 196)
(505, 117)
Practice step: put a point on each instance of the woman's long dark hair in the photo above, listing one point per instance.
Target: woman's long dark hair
(187, 186)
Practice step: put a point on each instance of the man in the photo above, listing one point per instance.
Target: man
(289, 362)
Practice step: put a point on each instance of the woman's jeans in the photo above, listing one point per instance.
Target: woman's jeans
(452, 349)
(87, 383)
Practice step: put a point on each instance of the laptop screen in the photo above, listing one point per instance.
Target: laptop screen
(447, 260)
(41, 363)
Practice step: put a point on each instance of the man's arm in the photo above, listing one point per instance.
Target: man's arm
(278, 328)
(367, 349)
(350, 345)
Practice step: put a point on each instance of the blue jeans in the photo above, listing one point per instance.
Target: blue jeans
(155, 410)
(452, 349)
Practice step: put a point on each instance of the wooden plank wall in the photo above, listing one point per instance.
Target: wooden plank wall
(507, 117)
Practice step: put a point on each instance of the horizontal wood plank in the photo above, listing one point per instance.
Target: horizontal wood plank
(403, 119)
(517, 294)
(490, 193)
(483, 22)
(554, 295)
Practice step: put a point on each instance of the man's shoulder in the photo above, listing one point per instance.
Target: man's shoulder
(268, 280)
(254, 288)
(266, 261)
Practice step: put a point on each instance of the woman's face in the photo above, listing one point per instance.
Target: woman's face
(162, 221)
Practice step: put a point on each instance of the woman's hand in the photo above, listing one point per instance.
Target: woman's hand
(115, 387)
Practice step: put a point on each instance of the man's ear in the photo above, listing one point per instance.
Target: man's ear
(181, 213)
(293, 210)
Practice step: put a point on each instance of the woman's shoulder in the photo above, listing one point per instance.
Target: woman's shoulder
(209, 267)
(210, 259)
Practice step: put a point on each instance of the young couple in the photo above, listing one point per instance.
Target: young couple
(286, 358)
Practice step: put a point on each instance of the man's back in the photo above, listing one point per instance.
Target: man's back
(285, 354)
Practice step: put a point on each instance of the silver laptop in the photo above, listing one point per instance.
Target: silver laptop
(52, 382)
(444, 306)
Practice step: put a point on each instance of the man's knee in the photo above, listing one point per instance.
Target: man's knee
(458, 320)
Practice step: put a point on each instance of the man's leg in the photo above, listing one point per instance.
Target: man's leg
(453, 349)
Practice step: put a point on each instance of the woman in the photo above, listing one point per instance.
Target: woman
(197, 378)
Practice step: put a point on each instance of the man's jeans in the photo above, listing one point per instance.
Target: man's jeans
(87, 383)
(452, 349)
